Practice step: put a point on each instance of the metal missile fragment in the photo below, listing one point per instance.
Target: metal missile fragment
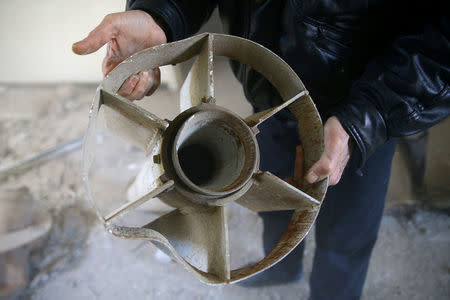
(207, 156)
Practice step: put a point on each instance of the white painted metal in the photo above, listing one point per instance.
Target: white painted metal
(195, 233)
(199, 84)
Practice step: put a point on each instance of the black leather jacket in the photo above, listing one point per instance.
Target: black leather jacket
(381, 67)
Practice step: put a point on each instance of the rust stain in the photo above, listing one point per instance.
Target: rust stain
(284, 79)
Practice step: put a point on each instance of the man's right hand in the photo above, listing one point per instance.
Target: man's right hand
(126, 33)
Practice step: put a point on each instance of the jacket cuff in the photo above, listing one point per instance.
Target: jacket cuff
(364, 122)
(166, 14)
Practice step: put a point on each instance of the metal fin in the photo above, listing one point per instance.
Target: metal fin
(134, 204)
(256, 119)
(131, 122)
(199, 84)
(199, 235)
(270, 193)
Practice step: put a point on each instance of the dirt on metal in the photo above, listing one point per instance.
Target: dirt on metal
(196, 232)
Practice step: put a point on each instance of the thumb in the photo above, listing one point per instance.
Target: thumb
(321, 169)
(98, 37)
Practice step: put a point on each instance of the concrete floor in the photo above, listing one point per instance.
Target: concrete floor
(79, 259)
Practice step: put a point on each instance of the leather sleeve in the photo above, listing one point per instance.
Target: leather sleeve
(178, 18)
(404, 91)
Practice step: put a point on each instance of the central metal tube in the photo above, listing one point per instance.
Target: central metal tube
(214, 153)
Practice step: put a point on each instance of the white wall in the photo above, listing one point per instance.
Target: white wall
(36, 39)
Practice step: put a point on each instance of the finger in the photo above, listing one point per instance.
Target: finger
(156, 81)
(320, 169)
(328, 161)
(298, 170)
(335, 177)
(128, 86)
(144, 84)
(98, 37)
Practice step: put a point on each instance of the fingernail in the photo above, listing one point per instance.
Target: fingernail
(74, 46)
(312, 177)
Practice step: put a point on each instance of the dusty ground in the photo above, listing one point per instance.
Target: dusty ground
(79, 259)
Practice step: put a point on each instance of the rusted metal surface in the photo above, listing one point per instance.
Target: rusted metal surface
(195, 233)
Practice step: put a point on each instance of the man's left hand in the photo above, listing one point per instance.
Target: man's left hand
(333, 160)
(335, 156)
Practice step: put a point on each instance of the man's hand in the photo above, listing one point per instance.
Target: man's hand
(126, 33)
(333, 160)
(335, 156)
